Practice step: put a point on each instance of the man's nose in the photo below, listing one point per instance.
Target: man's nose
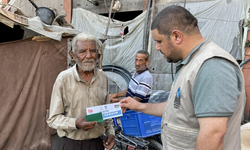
(158, 47)
(88, 55)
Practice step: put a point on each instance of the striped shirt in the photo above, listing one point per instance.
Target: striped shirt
(140, 86)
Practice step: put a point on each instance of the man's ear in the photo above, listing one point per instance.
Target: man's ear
(177, 36)
(147, 62)
(73, 55)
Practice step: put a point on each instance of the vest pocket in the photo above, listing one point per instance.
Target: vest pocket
(176, 137)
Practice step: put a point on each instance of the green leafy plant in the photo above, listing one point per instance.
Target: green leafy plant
(247, 23)
(247, 43)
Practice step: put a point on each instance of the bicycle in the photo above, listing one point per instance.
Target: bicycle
(138, 141)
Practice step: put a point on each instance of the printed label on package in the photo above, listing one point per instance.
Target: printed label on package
(108, 111)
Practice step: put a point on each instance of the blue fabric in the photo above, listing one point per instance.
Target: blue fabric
(140, 86)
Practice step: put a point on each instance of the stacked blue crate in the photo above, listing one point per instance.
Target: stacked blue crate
(140, 125)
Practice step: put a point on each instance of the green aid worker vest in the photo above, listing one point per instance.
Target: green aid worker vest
(180, 127)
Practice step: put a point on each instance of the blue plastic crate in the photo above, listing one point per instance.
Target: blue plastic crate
(141, 125)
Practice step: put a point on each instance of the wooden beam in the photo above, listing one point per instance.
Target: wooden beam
(145, 4)
(5, 1)
(67, 5)
(14, 17)
(6, 21)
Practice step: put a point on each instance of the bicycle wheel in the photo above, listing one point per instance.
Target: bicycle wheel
(154, 145)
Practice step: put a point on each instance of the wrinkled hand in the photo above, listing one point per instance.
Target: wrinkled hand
(115, 100)
(113, 96)
(109, 144)
(83, 124)
(129, 103)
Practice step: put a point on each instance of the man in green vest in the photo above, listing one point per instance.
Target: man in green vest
(206, 101)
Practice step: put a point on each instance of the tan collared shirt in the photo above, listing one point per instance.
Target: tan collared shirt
(71, 96)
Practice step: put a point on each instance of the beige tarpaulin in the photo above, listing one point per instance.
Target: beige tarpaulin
(28, 71)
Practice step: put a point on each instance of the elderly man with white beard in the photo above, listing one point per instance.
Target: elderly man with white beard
(74, 90)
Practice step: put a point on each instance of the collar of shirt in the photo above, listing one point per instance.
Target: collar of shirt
(135, 74)
(180, 63)
(79, 78)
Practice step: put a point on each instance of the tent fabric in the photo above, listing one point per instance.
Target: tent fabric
(52, 31)
(120, 50)
(116, 47)
(219, 21)
(28, 71)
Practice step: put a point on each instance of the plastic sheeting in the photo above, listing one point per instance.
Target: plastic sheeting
(51, 31)
(28, 72)
(117, 51)
(219, 21)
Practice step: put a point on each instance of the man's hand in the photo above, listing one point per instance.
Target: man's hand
(109, 144)
(83, 124)
(115, 100)
(113, 96)
(155, 109)
(129, 103)
(139, 100)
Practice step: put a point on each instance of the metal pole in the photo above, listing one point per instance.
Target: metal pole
(145, 27)
(150, 32)
(106, 33)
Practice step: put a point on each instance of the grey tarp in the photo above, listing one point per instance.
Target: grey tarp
(28, 71)
(219, 21)
(117, 50)
(116, 47)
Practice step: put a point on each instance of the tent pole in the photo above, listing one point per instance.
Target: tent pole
(150, 32)
(106, 34)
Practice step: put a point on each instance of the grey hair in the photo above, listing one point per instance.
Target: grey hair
(85, 37)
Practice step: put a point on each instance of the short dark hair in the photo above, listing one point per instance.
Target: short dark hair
(144, 52)
(175, 17)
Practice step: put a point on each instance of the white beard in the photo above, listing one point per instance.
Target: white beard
(86, 66)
